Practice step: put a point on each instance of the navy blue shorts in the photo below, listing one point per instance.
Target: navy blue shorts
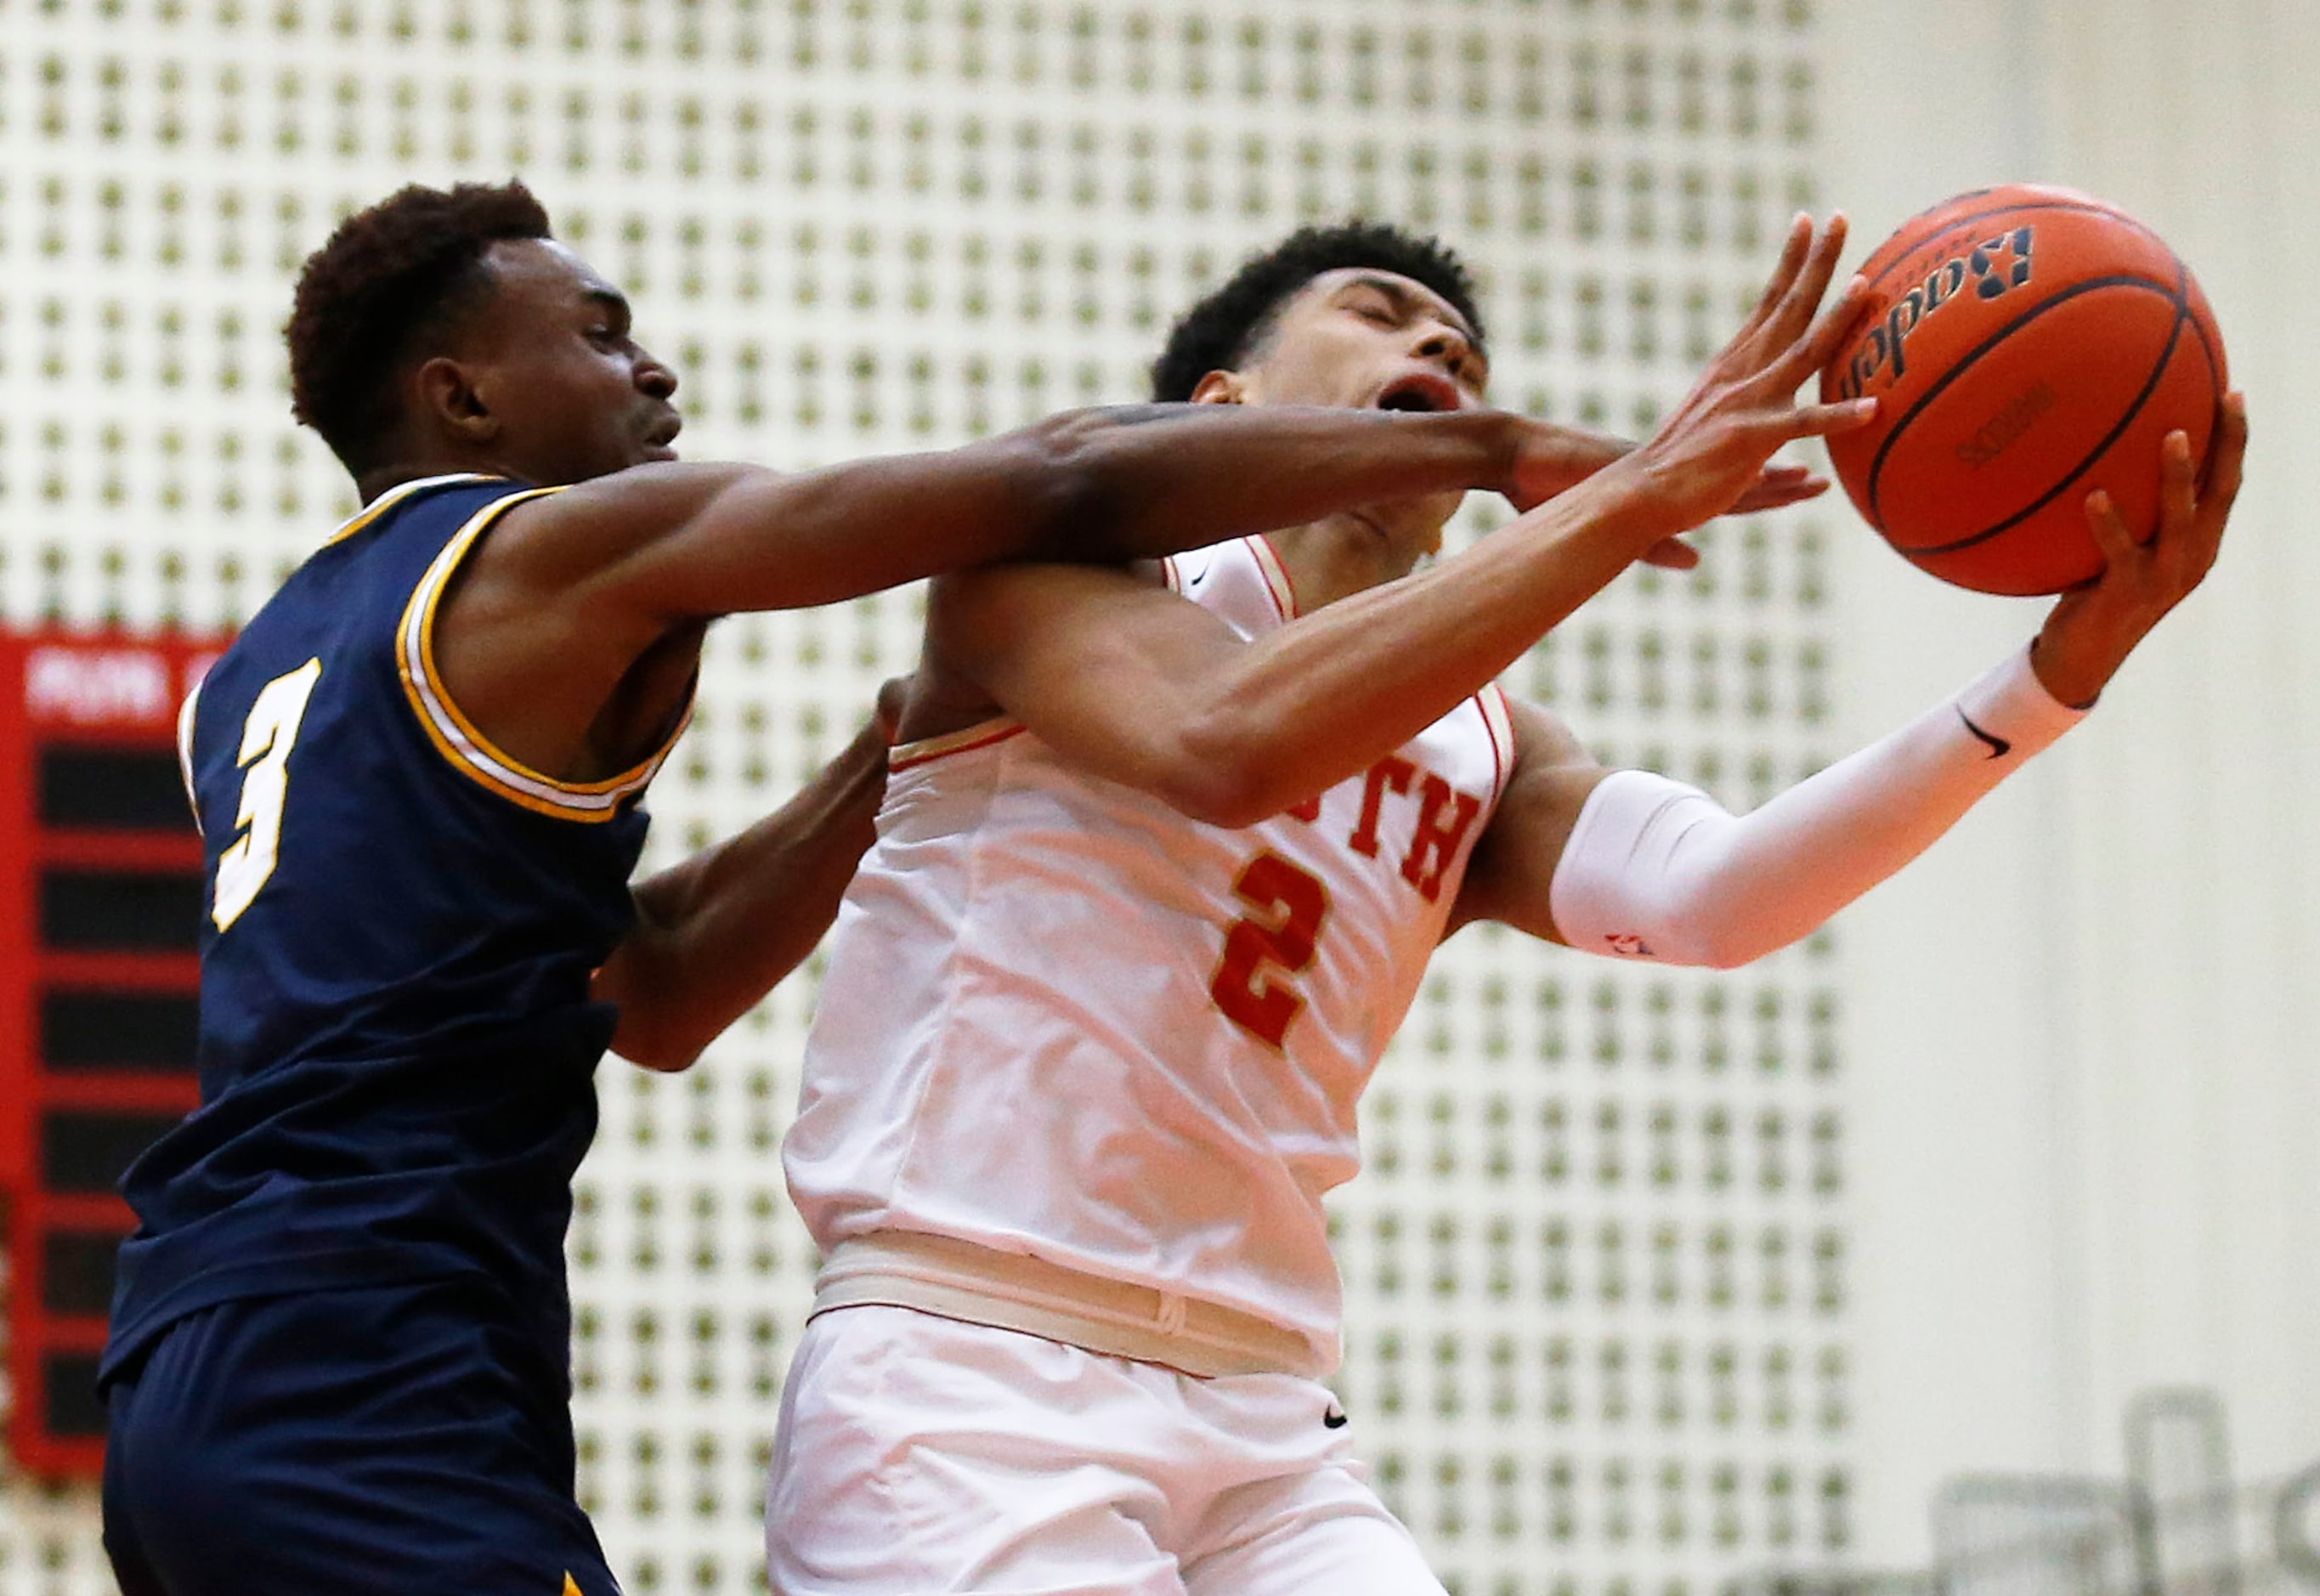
(406, 1440)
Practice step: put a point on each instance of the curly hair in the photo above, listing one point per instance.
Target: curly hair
(1233, 322)
(391, 279)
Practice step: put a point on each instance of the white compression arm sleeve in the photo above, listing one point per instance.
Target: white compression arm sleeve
(1658, 870)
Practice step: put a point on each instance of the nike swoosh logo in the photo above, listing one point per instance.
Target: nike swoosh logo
(1335, 1419)
(1998, 747)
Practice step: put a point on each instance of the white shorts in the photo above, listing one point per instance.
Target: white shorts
(916, 1455)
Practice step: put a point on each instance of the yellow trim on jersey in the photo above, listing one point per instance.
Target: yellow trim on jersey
(394, 495)
(571, 1585)
(980, 735)
(186, 713)
(456, 738)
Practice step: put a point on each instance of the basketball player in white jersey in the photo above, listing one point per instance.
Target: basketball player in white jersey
(1158, 876)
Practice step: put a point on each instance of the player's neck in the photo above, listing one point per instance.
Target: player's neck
(409, 458)
(381, 479)
(1333, 558)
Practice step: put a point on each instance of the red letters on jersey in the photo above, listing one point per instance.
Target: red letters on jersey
(1395, 773)
(1279, 938)
(1437, 837)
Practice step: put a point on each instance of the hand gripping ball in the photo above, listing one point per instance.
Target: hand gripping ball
(2026, 346)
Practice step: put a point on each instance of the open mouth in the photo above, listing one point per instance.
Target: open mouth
(1423, 392)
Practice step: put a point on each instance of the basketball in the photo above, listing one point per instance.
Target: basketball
(2026, 346)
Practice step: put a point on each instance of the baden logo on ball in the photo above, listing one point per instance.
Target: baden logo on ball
(2027, 345)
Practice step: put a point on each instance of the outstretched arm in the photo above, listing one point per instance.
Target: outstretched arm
(1131, 683)
(713, 934)
(1138, 686)
(1632, 865)
(570, 633)
(1635, 865)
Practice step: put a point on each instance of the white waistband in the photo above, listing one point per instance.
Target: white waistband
(961, 1280)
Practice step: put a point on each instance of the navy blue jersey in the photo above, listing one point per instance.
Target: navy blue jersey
(397, 1044)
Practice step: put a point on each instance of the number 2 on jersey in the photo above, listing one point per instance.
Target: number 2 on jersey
(1266, 946)
(267, 739)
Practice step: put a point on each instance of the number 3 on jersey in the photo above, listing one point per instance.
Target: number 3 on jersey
(267, 739)
(1264, 947)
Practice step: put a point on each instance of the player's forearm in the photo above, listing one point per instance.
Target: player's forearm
(1306, 706)
(1094, 486)
(1154, 479)
(1104, 486)
(1227, 471)
(1656, 870)
(715, 933)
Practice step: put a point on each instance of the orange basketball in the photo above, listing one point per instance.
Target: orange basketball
(2026, 346)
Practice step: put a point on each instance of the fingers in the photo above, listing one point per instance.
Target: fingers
(2110, 531)
(1781, 477)
(2182, 550)
(2225, 457)
(1672, 553)
(2178, 487)
(1779, 486)
(1810, 353)
(1717, 442)
(1819, 421)
(1793, 253)
(2181, 541)
(1810, 286)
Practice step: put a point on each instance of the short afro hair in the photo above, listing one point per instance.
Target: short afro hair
(1232, 323)
(390, 279)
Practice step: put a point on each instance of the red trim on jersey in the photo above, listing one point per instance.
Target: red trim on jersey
(1502, 750)
(928, 750)
(1278, 588)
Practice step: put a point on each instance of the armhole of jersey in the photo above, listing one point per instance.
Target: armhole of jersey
(185, 752)
(1499, 720)
(964, 740)
(455, 738)
(1278, 588)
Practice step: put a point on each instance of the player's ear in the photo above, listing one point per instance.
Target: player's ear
(449, 397)
(1221, 387)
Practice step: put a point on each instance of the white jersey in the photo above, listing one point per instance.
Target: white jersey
(1062, 1019)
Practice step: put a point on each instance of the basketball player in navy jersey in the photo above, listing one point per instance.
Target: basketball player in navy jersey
(1163, 858)
(339, 1360)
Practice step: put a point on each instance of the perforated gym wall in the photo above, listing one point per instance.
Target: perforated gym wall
(1597, 1316)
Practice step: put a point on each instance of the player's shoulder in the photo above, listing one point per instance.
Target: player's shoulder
(567, 533)
(445, 500)
(353, 593)
(1544, 740)
(380, 551)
